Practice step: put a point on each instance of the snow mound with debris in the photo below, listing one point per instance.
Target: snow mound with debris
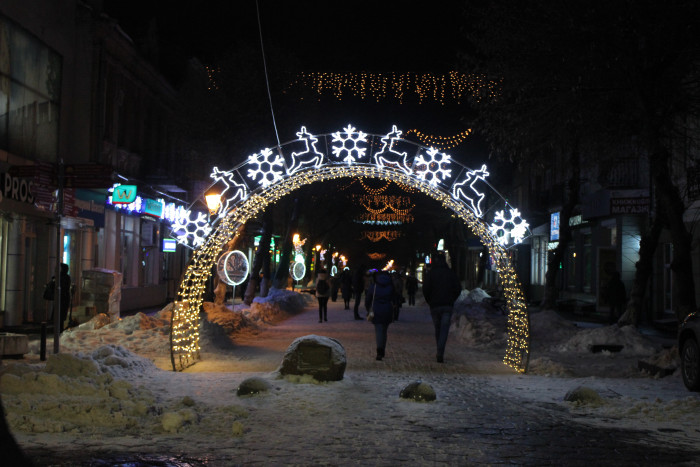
(629, 337)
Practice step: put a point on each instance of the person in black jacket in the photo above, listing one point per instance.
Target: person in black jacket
(381, 298)
(441, 289)
(358, 286)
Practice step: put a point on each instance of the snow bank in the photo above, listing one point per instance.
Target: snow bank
(629, 337)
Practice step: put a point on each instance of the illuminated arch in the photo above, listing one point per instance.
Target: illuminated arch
(431, 174)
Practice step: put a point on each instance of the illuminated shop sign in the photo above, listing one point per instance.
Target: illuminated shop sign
(169, 245)
(156, 208)
(124, 194)
(554, 227)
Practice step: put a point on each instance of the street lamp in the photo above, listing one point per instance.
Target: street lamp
(213, 198)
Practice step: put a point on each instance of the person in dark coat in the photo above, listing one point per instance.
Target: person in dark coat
(411, 289)
(381, 298)
(358, 286)
(441, 289)
(616, 295)
(346, 286)
(65, 296)
(323, 295)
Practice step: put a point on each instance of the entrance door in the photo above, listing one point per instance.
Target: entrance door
(607, 260)
(29, 280)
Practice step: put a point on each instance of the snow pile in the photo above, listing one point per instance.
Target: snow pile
(467, 297)
(280, 304)
(547, 328)
(85, 393)
(629, 337)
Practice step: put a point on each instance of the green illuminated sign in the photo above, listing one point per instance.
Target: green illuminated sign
(124, 194)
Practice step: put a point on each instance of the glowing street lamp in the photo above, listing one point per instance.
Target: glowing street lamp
(213, 199)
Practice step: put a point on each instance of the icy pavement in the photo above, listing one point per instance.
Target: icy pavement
(485, 413)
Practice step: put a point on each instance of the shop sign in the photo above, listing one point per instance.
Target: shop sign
(629, 205)
(153, 207)
(17, 189)
(124, 194)
(554, 226)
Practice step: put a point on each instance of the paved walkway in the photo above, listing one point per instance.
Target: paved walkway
(410, 345)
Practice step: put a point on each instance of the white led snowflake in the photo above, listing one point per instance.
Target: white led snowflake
(308, 158)
(269, 167)
(349, 145)
(434, 167)
(233, 192)
(197, 229)
(387, 156)
(466, 189)
(513, 228)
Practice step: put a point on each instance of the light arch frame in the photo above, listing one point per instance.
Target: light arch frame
(184, 335)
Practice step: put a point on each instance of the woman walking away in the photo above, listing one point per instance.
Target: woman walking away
(323, 291)
(441, 289)
(380, 298)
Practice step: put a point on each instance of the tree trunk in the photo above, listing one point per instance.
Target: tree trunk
(673, 207)
(11, 451)
(281, 277)
(262, 257)
(645, 265)
(551, 291)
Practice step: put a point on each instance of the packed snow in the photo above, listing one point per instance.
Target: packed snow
(117, 376)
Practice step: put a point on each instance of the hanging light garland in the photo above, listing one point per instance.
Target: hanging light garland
(453, 87)
(440, 142)
(429, 176)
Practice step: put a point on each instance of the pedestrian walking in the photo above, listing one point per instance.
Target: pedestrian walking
(358, 286)
(441, 289)
(616, 296)
(397, 281)
(65, 296)
(323, 292)
(346, 286)
(380, 299)
(411, 289)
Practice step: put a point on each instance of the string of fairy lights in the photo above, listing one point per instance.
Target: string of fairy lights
(450, 88)
(464, 204)
(440, 142)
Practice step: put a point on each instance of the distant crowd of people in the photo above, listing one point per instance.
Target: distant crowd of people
(384, 297)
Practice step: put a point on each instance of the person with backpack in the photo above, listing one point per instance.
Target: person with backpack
(323, 292)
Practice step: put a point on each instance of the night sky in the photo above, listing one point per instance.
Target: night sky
(324, 35)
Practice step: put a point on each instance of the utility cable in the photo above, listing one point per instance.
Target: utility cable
(267, 80)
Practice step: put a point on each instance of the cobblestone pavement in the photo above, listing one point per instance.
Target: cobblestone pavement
(362, 421)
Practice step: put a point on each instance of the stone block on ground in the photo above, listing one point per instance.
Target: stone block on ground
(13, 345)
(322, 357)
(418, 391)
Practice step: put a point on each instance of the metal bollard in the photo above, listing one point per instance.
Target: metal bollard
(42, 351)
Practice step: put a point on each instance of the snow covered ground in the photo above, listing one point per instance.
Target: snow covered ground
(112, 378)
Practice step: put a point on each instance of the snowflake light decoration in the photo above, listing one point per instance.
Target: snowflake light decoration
(268, 167)
(184, 227)
(466, 189)
(349, 140)
(388, 156)
(433, 167)
(233, 192)
(512, 228)
(308, 158)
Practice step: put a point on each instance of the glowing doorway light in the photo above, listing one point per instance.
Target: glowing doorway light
(429, 175)
(349, 140)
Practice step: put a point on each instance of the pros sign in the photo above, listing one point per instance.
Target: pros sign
(17, 189)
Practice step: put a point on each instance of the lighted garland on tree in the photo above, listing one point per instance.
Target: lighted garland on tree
(431, 173)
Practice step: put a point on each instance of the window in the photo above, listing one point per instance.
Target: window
(30, 87)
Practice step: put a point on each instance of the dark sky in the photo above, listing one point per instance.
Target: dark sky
(313, 35)
(377, 35)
